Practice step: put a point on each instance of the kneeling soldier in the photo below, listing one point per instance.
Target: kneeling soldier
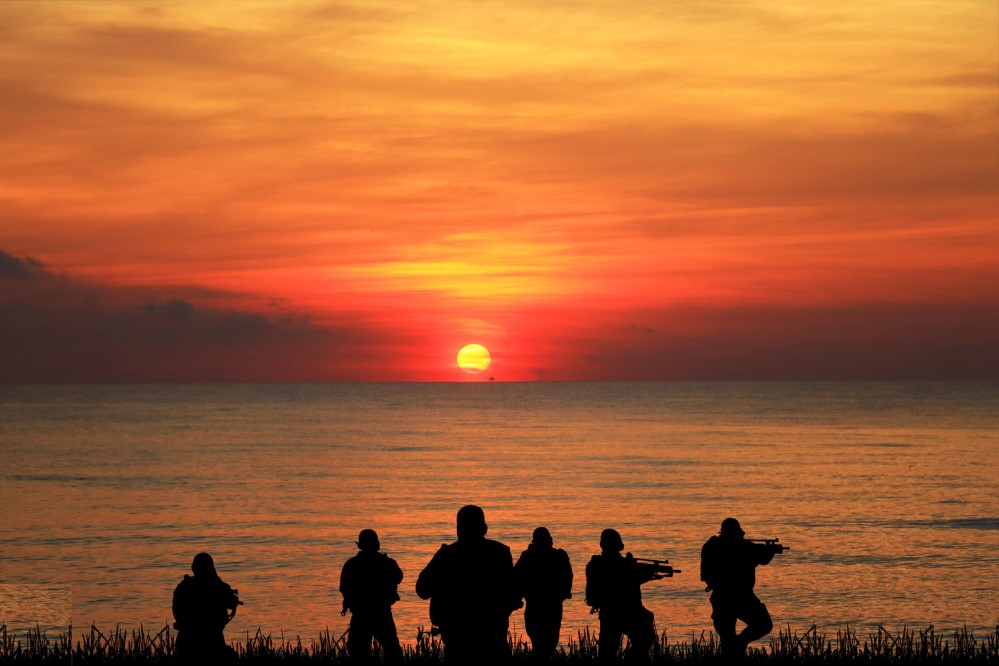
(728, 568)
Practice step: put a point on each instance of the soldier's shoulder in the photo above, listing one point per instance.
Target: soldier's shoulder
(498, 546)
(445, 551)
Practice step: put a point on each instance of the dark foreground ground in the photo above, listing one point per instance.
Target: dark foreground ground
(906, 646)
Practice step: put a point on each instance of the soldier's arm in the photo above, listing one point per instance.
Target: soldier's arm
(425, 581)
(567, 590)
(763, 553)
(707, 576)
(178, 603)
(591, 582)
(520, 567)
(346, 580)
(230, 596)
(508, 579)
(397, 574)
(643, 573)
(520, 574)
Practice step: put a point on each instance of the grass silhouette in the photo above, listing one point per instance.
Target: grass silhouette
(134, 646)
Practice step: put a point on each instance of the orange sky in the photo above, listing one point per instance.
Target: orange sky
(683, 189)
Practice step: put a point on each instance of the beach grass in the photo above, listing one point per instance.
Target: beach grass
(786, 646)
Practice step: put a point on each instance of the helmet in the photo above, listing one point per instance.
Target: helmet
(203, 564)
(542, 537)
(611, 540)
(368, 540)
(731, 527)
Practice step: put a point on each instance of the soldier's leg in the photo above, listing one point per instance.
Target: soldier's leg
(180, 647)
(455, 646)
(543, 621)
(499, 641)
(723, 618)
(359, 638)
(485, 643)
(227, 655)
(610, 640)
(754, 613)
(385, 633)
(641, 632)
(198, 646)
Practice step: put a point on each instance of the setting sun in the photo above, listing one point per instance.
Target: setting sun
(473, 359)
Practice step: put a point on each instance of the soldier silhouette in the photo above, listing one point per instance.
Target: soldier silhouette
(728, 568)
(470, 584)
(369, 583)
(613, 586)
(544, 577)
(203, 604)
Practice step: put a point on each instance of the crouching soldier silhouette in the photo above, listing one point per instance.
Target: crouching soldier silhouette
(470, 584)
(203, 604)
(613, 587)
(728, 568)
(544, 577)
(369, 583)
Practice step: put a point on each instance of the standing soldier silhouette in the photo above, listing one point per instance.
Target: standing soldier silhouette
(544, 576)
(202, 605)
(369, 583)
(728, 568)
(614, 587)
(470, 585)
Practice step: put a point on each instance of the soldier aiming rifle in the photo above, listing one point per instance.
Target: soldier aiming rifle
(613, 588)
(728, 569)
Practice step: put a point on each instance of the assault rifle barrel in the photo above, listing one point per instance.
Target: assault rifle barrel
(659, 566)
(771, 542)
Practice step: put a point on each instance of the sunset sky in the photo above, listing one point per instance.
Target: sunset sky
(592, 189)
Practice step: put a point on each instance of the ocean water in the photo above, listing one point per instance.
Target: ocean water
(885, 492)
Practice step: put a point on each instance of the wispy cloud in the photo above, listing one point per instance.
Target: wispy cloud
(401, 169)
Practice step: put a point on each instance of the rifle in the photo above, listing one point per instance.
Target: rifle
(232, 611)
(773, 543)
(660, 568)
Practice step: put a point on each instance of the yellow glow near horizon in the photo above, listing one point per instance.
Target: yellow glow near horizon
(474, 358)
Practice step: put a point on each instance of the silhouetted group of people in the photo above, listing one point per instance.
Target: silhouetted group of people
(473, 586)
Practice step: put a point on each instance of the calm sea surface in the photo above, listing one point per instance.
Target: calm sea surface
(886, 493)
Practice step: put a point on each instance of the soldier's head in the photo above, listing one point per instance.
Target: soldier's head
(367, 541)
(730, 528)
(203, 565)
(542, 538)
(610, 541)
(471, 523)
